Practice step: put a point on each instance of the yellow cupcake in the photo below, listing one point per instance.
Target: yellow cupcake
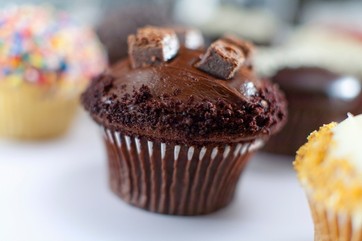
(46, 61)
(329, 167)
(29, 112)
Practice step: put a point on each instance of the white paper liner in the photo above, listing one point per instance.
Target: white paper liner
(334, 226)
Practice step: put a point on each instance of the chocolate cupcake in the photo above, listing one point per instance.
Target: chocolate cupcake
(321, 85)
(315, 96)
(178, 128)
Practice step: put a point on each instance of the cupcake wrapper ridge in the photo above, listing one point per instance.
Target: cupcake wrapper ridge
(294, 133)
(174, 179)
(334, 226)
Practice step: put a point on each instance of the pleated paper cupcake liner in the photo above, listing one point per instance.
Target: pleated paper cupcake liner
(333, 226)
(174, 179)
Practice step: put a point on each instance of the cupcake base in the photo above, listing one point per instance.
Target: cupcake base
(34, 112)
(300, 122)
(174, 179)
(332, 226)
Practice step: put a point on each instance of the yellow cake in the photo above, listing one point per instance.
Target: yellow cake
(46, 61)
(329, 167)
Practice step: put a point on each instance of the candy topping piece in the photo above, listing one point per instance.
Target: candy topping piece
(245, 46)
(222, 60)
(152, 46)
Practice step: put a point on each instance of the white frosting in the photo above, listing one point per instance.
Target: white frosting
(228, 19)
(347, 138)
(317, 47)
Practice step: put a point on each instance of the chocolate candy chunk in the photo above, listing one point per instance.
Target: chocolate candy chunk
(222, 60)
(189, 37)
(245, 46)
(152, 46)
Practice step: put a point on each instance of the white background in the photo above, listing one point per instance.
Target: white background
(58, 190)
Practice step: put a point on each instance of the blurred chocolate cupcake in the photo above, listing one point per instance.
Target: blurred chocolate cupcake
(315, 96)
(320, 73)
(179, 128)
(317, 46)
(120, 21)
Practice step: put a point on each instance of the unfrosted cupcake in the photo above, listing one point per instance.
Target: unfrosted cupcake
(46, 61)
(178, 128)
(329, 167)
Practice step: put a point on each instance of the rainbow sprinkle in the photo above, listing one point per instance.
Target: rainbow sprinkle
(37, 42)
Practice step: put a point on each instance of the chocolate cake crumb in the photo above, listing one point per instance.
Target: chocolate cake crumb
(142, 95)
(202, 118)
(176, 92)
(107, 83)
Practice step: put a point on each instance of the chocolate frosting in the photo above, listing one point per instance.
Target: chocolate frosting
(175, 102)
(318, 87)
(316, 96)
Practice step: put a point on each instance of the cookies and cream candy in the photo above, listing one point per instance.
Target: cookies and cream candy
(152, 46)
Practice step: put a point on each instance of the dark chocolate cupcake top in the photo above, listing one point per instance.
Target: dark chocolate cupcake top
(315, 87)
(189, 97)
(318, 81)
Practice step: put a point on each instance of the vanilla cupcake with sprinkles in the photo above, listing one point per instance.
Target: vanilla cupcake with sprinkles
(46, 61)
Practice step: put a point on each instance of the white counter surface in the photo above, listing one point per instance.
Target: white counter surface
(58, 191)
